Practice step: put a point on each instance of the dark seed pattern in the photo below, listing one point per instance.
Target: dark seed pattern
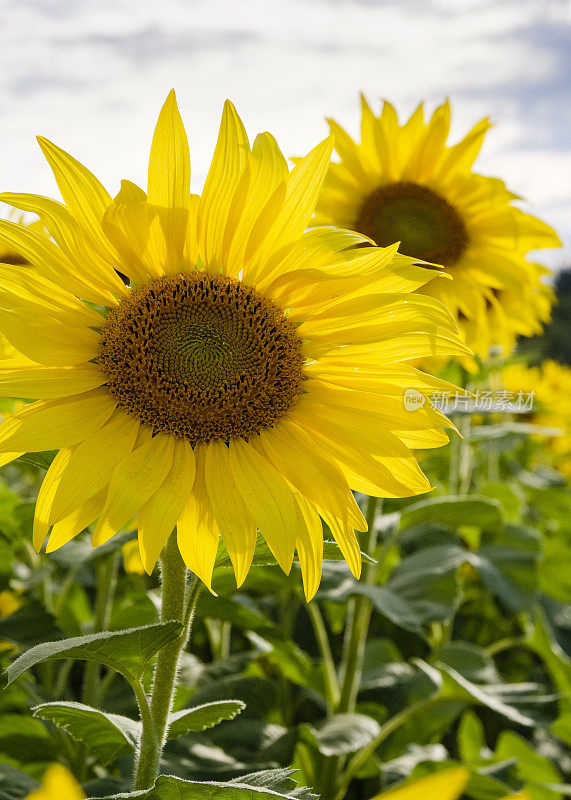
(202, 357)
(425, 223)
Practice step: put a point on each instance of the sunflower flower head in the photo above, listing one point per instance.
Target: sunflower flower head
(404, 183)
(245, 376)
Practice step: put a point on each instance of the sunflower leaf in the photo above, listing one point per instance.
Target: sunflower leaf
(168, 787)
(481, 512)
(200, 718)
(126, 651)
(342, 734)
(108, 736)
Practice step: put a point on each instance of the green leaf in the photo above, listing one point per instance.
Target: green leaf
(342, 734)
(507, 563)
(279, 780)
(168, 787)
(15, 785)
(108, 736)
(456, 687)
(25, 739)
(471, 737)
(202, 717)
(126, 651)
(536, 770)
(480, 512)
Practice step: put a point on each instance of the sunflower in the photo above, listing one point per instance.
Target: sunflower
(549, 387)
(245, 379)
(403, 183)
(58, 784)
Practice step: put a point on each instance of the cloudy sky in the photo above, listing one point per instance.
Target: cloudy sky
(92, 74)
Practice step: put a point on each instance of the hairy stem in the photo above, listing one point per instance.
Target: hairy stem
(178, 603)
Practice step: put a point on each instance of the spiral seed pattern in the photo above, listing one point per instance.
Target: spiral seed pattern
(426, 224)
(202, 357)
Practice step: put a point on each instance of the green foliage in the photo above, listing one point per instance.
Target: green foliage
(465, 657)
(126, 652)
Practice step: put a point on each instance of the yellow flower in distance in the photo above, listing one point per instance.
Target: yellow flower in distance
(243, 380)
(402, 182)
(58, 784)
(446, 785)
(549, 386)
(132, 562)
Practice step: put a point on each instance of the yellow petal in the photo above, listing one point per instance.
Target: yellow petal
(52, 424)
(267, 497)
(345, 537)
(46, 495)
(290, 450)
(266, 170)
(93, 462)
(237, 527)
(445, 785)
(83, 194)
(160, 514)
(231, 155)
(76, 522)
(84, 271)
(44, 383)
(52, 263)
(133, 482)
(168, 187)
(44, 338)
(309, 546)
(197, 531)
(285, 218)
(126, 225)
(25, 285)
(6, 458)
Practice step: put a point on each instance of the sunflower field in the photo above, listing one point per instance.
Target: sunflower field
(284, 500)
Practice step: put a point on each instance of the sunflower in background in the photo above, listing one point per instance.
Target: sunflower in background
(241, 381)
(549, 385)
(404, 183)
(58, 784)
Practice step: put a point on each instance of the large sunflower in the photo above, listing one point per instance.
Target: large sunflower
(249, 376)
(403, 183)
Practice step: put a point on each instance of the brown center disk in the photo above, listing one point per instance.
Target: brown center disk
(201, 357)
(428, 226)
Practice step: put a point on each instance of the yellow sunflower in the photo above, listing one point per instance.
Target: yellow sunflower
(248, 377)
(549, 387)
(404, 183)
(58, 784)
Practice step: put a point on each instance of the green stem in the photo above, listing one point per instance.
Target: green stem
(332, 692)
(178, 603)
(387, 729)
(354, 651)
